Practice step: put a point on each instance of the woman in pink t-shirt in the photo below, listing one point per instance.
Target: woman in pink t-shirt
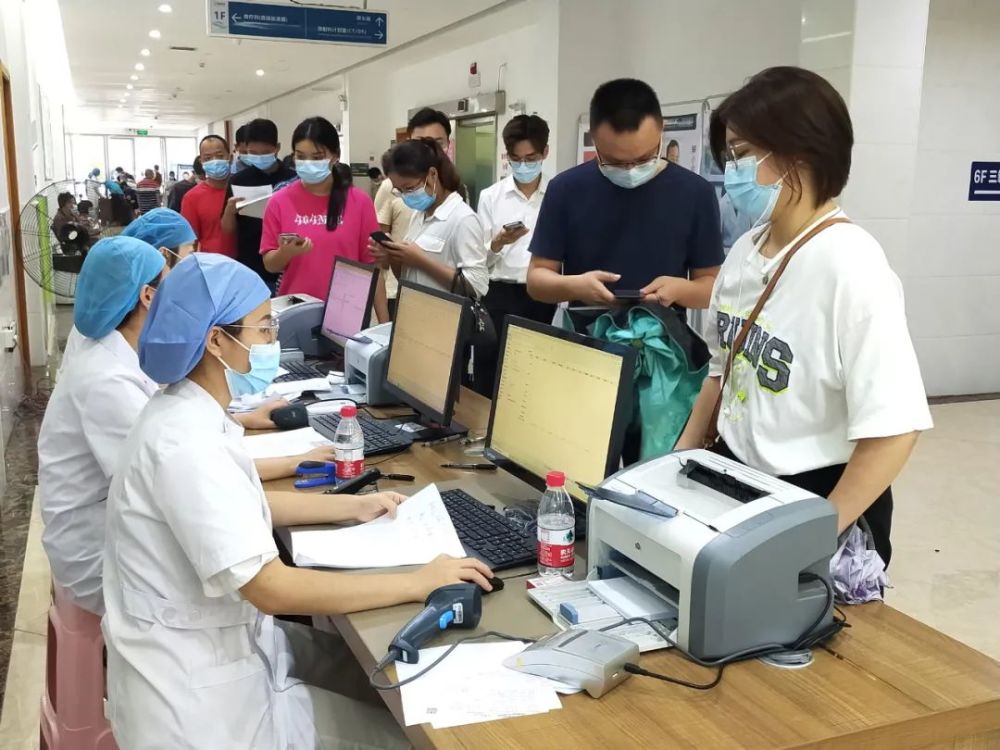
(317, 218)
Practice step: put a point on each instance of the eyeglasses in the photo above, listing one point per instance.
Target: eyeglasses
(400, 193)
(530, 159)
(269, 329)
(644, 161)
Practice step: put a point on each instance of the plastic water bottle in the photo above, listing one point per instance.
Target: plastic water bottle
(556, 528)
(349, 444)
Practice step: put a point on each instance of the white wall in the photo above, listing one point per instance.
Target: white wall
(951, 264)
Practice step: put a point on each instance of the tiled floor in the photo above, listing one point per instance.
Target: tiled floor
(945, 569)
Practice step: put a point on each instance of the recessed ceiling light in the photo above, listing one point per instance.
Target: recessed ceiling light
(140, 66)
(260, 71)
(165, 9)
(144, 52)
(133, 77)
(129, 86)
(154, 34)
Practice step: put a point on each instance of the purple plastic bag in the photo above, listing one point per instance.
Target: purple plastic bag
(857, 570)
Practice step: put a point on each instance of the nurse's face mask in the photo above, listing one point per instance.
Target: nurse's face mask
(264, 361)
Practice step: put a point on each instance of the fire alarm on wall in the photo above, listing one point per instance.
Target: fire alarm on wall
(474, 79)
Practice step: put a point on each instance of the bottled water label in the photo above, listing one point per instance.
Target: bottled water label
(349, 463)
(555, 547)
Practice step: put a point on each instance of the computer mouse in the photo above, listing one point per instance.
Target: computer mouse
(290, 417)
(496, 583)
(587, 659)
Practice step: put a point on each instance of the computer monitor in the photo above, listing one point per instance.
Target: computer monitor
(562, 402)
(425, 357)
(349, 301)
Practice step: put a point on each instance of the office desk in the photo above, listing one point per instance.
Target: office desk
(888, 681)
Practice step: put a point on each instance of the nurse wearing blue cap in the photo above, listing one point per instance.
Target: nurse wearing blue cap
(166, 230)
(192, 574)
(96, 401)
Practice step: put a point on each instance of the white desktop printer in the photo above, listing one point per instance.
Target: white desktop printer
(743, 558)
(299, 319)
(366, 358)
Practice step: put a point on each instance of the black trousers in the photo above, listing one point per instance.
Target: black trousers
(502, 300)
(822, 481)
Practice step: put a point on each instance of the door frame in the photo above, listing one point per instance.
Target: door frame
(17, 274)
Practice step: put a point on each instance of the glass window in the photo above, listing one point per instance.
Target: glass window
(121, 154)
(180, 155)
(148, 154)
(87, 153)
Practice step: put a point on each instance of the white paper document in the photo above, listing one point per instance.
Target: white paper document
(421, 531)
(472, 685)
(280, 444)
(248, 193)
(294, 388)
(253, 207)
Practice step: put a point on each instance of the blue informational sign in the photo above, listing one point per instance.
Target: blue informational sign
(298, 23)
(984, 181)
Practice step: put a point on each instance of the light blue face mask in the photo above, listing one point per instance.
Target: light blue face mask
(747, 195)
(630, 177)
(419, 199)
(525, 171)
(263, 162)
(313, 172)
(217, 169)
(264, 362)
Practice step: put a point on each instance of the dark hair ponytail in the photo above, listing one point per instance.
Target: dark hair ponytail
(322, 132)
(415, 158)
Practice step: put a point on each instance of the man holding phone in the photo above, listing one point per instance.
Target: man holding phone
(626, 226)
(508, 211)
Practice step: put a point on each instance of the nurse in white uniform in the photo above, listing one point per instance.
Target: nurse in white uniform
(192, 575)
(98, 397)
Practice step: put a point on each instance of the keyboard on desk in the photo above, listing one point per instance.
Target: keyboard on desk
(379, 437)
(299, 371)
(487, 534)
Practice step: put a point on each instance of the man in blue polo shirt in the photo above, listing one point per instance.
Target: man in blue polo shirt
(627, 220)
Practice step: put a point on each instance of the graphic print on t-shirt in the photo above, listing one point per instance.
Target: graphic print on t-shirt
(313, 220)
(765, 360)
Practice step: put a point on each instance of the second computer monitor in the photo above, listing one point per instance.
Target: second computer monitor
(425, 354)
(349, 301)
(562, 402)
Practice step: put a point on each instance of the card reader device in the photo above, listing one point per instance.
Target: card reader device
(745, 558)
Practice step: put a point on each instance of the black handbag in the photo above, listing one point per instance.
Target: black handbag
(479, 330)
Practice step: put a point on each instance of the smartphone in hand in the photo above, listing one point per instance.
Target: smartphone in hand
(513, 226)
(627, 295)
(291, 237)
(381, 237)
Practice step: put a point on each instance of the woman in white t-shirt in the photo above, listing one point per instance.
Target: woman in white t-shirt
(826, 390)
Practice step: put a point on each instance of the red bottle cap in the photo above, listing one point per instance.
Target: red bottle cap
(555, 479)
(350, 410)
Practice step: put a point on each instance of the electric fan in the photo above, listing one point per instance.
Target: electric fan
(55, 243)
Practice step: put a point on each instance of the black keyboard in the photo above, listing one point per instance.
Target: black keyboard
(379, 437)
(299, 371)
(487, 534)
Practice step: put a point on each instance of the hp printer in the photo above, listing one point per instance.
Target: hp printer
(741, 555)
(366, 358)
(299, 319)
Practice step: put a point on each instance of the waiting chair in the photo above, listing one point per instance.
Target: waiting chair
(148, 199)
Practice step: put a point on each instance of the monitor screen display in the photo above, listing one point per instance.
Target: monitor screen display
(349, 301)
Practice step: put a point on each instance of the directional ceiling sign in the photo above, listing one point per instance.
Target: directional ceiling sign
(287, 22)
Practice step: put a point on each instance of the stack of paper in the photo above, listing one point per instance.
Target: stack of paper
(421, 531)
(472, 685)
(280, 444)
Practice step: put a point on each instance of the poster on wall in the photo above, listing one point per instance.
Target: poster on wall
(682, 140)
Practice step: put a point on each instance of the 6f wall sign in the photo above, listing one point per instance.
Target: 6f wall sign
(984, 181)
(297, 23)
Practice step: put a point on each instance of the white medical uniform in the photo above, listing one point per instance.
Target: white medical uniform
(191, 664)
(95, 404)
(74, 341)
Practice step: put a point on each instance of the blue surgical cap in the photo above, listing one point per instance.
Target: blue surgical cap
(115, 271)
(203, 290)
(162, 227)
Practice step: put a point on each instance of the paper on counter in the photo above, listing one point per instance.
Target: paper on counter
(297, 387)
(421, 531)
(280, 444)
(472, 685)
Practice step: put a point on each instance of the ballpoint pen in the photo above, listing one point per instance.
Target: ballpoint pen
(471, 467)
(440, 441)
